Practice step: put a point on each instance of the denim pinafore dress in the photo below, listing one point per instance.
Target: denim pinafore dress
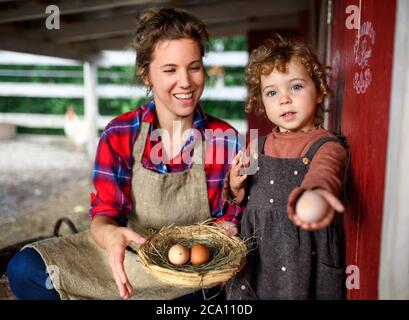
(286, 262)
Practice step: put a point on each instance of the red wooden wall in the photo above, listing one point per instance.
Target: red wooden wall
(362, 85)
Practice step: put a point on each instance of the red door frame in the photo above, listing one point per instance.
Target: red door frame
(362, 85)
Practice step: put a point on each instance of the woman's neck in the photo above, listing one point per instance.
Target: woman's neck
(173, 125)
(176, 131)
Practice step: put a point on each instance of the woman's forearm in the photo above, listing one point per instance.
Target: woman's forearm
(100, 225)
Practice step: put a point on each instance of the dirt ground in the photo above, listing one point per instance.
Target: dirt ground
(42, 178)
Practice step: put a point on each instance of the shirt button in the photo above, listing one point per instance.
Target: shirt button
(271, 181)
(283, 268)
(271, 200)
(258, 168)
(243, 287)
(248, 198)
(255, 156)
(305, 160)
(295, 172)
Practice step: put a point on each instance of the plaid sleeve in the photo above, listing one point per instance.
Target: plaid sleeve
(112, 180)
(227, 211)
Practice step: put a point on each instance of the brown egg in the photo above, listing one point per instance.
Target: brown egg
(178, 254)
(199, 254)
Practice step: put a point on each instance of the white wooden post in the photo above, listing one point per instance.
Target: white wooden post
(91, 106)
(394, 265)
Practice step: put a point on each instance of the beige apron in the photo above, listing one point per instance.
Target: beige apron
(79, 268)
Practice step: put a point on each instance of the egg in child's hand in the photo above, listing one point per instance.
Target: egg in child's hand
(311, 207)
(178, 254)
(199, 254)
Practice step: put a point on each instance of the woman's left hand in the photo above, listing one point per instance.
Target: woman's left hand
(334, 204)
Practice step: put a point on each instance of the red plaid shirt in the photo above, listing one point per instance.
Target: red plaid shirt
(114, 163)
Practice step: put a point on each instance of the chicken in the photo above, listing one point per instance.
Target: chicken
(218, 73)
(75, 129)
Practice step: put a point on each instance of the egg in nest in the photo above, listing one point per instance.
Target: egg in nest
(178, 254)
(199, 254)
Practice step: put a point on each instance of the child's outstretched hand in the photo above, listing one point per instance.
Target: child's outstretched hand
(236, 180)
(315, 209)
(228, 227)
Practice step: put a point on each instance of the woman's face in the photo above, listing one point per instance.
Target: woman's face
(290, 99)
(177, 77)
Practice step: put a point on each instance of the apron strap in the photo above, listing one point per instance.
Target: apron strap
(261, 142)
(140, 143)
(317, 144)
(199, 152)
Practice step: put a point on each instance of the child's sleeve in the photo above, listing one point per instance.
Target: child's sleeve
(326, 172)
(228, 195)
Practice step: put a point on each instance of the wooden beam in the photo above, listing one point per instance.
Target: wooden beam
(123, 42)
(80, 40)
(99, 29)
(115, 43)
(238, 12)
(242, 27)
(16, 42)
(32, 10)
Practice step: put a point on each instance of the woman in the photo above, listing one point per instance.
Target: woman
(144, 176)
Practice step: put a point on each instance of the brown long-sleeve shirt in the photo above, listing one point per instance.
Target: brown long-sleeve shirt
(326, 170)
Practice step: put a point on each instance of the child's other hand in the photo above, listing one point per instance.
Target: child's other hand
(230, 229)
(236, 181)
(315, 209)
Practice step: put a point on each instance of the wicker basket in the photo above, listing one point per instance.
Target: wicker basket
(227, 256)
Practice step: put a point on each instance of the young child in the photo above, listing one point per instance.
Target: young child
(297, 239)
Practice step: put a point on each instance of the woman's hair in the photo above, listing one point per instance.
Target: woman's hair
(274, 54)
(157, 24)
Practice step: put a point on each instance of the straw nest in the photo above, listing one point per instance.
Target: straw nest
(227, 256)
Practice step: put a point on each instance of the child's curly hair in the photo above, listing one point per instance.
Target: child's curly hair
(276, 53)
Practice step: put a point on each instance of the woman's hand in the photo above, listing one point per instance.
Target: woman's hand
(236, 181)
(321, 203)
(115, 242)
(229, 228)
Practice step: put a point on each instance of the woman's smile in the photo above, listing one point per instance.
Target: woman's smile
(184, 98)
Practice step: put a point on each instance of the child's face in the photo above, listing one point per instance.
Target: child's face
(290, 98)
